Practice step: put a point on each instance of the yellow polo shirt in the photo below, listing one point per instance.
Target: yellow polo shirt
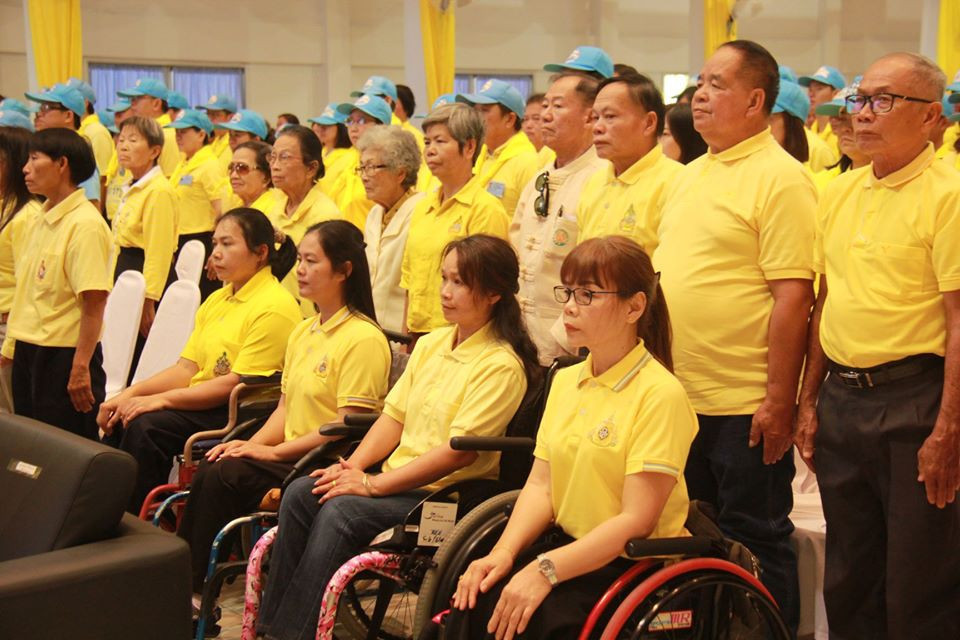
(951, 134)
(117, 178)
(100, 140)
(351, 198)
(628, 204)
(417, 134)
(822, 155)
(505, 172)
(198, 182)
(731, 222)
(170, 156)
(597, 430)
(433, 225)
(827, 135)
(264, 203)
(335, 162)
(243, 332)
(889, 247)
(147, 219)
(221, 149)
(343, 362)
(471, 390)
(546, 156)
(12, 239)
(66, 252)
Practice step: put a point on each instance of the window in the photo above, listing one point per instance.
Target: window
(197, 84)
(472, 82)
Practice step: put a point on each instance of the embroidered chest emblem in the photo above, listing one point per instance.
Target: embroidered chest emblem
(455, 227)
(605, 434)
(222, 367)
(629, 221)
(321, 368)
(561, 237)
(42, 271)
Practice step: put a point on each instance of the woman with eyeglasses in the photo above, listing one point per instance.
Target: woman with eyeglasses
(249, 174)
(609, 460)
(841, 123)
(338, 151)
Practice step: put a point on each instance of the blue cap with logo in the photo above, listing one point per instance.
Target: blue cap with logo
(788, 74)
(377, 86)
(949, 109)
(121, 105)
(63, 95)
(152, 87)
(176, 100)
(12, 104)
(446, 98)
(248, 121)
(839, 103)
(826, 75)
(371, 105)
(84, 88)
(219, 102)
(107, 120)
(496, 91)
(792, 99)
(16, 119)
(584, 58)
(330, 116)
(192, 118)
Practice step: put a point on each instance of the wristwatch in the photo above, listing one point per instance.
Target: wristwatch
(548, 569)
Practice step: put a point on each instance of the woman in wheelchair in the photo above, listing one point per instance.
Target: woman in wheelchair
(465, 379)
(609, 459)
(241, 330)
(337, 362)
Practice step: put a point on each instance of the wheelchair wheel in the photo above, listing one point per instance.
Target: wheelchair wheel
(473, 536)
(359, 599)
(698, 599)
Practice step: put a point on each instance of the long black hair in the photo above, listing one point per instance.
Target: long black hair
(14, 152)
(258, 231)
(680, 120)
(342, 243)
(489, 266)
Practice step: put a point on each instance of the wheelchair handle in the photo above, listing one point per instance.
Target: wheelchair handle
(480, 443)
(687, 546)
(360, 419)
(251, 381)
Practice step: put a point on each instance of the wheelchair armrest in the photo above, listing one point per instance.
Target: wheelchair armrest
(687, 546)
(481, 443)
(360, 419)
(464, 488)
(258, 381)
(343, 430)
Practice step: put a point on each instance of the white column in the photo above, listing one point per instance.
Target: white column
(695, 39)
(28, 45)
(929, 26)
(605, 28)
(829, 28)
(413, 70)
(335, 83)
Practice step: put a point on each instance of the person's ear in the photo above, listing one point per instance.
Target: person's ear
(637, 305)
(757, 99)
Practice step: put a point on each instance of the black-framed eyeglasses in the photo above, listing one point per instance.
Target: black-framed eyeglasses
(879, 102)
(542, 204)
(581, 296)
(368, 169)
(359, 121)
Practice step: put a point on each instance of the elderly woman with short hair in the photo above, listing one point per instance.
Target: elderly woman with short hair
(389, 162)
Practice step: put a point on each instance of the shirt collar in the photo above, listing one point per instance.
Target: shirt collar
(464, 196)
(580, 162)
(164, 119)
(619, 375)
(68, 204)
(89, 119)
(146, 178)
(307, 202)
(745, 148)
(470, 348)
(202, 155)
(259, 280)
(515, 145)
(905, 174)
(637, 169)
(333, 322)
(392, 211)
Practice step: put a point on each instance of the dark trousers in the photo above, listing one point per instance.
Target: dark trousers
(207, 286)
(221, 491)
(753, 501)
(893, 560)
(40, 376)
(313, 541)
(564, 611)
(153, 439)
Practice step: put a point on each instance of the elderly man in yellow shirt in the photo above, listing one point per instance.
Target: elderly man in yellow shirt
(883, 426)
(510, 160)
(544, 227)
(148, 98)
(220, 109)
(736, 243)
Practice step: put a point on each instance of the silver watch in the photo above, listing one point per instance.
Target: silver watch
(548, 569)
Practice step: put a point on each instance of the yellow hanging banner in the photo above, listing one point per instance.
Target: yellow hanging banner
(56, 33)
(438, 29)
(718, 25)
(948, 37)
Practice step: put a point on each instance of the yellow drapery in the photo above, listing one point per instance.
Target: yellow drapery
(718, 25)
(438, 29)
(948, 37)
(56, 33)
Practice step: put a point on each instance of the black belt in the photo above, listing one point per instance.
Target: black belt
(887, 372)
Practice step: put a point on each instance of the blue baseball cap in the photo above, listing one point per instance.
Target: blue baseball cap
(955, 85)
(63, 95)
(176, 100)
(248, 121)
(589, 59)
(496, 91)
(12, 104)
(839, 103)
(85, 89)
(788, 74)
(121, 105)
(330, 116)
(219, 102)
(826, 75)
(146, 87)
(446, 98)
(954, 97)
(107, 120)
(377, 86)
(16, 119)
(792, 99)
(371, 105)
(192, 118)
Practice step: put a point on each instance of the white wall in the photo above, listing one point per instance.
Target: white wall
(300, 54)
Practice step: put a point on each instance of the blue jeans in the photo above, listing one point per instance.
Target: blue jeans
(753, 501)
(312, 543)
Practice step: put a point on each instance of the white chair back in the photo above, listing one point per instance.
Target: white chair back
(121, 323)
(171, 329)
(190, 262)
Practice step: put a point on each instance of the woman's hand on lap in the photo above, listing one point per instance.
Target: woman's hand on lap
(221, 449)
(480, 576)
(253, 451)
(518, 601)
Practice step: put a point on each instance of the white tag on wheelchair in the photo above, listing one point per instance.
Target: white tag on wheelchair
(437, 520)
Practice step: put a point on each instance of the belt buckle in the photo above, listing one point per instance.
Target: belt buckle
(851, 379)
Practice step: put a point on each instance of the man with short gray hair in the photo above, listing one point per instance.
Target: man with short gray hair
(882, 378)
